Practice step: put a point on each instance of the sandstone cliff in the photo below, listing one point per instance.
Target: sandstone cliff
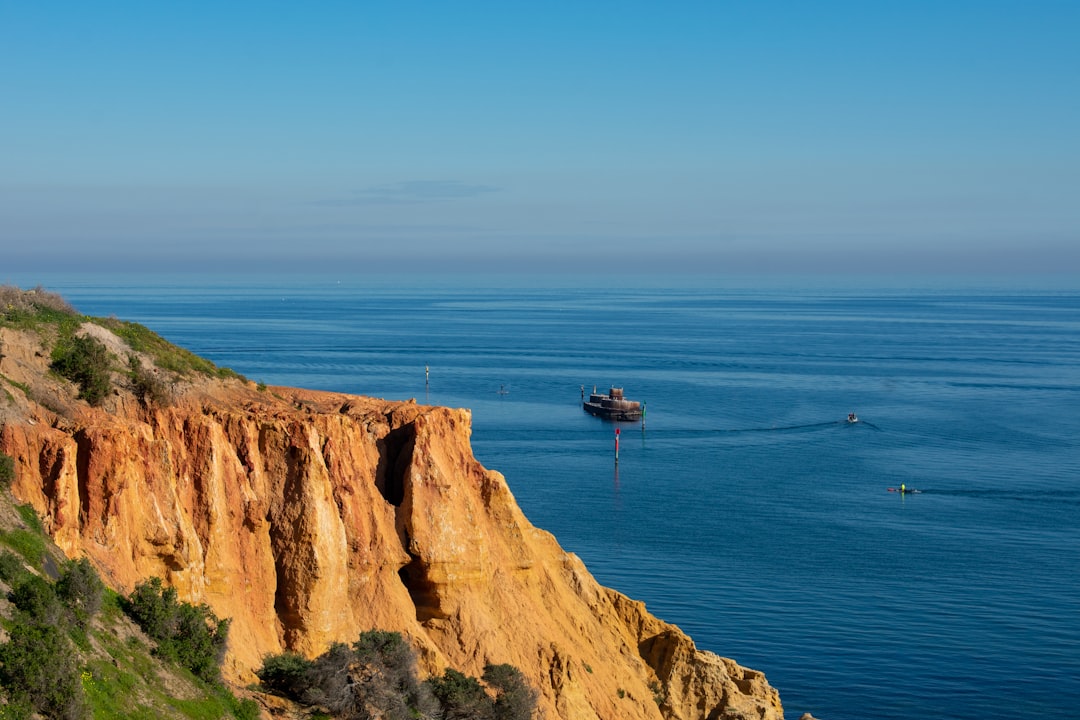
(308, 517)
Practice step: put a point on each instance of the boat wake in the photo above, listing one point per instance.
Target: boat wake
(804, 427)
(1063, 497)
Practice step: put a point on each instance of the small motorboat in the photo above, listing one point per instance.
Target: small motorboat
(852, 418)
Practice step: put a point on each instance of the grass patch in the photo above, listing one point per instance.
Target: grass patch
(166, 355)
(218, 703)
(110, 692)
(30, 517)
(15, 384)
(33, 309)
(131, 655)
(30, 545)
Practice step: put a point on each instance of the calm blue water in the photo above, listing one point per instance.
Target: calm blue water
(746, 511)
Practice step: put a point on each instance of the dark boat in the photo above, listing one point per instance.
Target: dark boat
(612, 406)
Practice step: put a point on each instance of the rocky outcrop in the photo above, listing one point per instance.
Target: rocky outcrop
(307, 517)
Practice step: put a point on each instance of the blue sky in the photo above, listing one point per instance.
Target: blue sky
(728, 137)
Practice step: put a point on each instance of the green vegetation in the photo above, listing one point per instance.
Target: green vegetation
(85, 361)
(190, 635)
(166, 355)
(81, 591)
(377, 676)
(42, 672)
(659, 696)
(30, 517)
(12, 569)
(32, 309)
(27, 543)
(38, 671)
(7, 470)
(147, 385)
(286, 674)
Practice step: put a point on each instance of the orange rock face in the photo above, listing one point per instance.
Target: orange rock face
(308, 517)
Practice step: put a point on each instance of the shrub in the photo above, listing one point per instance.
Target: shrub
(151, 607)
(199, 641)
(37, 668)
(376, 677)
(147, 385)
(286, 673)
(36, 597)
(81, 590)
(85, 361)
(462, 696)
(246, 709)
(7, 470)
(12, 569)
(514, 698)
(190, 635)
(389, 665)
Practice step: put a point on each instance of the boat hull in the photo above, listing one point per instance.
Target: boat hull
(609, 413)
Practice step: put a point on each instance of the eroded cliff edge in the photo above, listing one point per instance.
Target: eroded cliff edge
(307, 517)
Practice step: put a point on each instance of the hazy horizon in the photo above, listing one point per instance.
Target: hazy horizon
(760, 139)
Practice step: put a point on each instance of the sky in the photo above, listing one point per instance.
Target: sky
(598, 137)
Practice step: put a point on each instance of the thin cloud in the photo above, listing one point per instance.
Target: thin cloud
(413, 192)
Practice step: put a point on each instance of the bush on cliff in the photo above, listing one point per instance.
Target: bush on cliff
(285, 674)
(12, 569)
(81, 591)
(37, 671)
(377, 677)
(461, 696)
(190, 635)
(85, 361)
(37, 663)
(514, 698)
(147, 385)
(36, 598)
(465, 697)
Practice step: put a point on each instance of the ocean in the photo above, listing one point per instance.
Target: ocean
(745, 509)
